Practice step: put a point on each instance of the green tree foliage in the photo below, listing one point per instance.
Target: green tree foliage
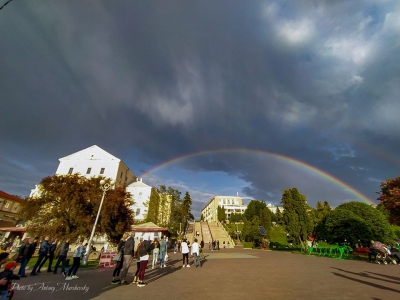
(279, 216)
(153, 206)
(259, 209)
(341, 225)
(186, 209)
(375, 219)
(236, 217)
(254, 208)
(321, 211)
(250, 230)
(265, 219)
(68, 205)
(221, 214)
(296, 220)
(390, 198)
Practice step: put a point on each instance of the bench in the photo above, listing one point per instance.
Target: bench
(361, 251)
(106, 259)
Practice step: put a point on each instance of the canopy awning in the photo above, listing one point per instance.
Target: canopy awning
(13, 229)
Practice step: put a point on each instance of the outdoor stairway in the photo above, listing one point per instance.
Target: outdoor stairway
(190, 232)
(197, 228)
(205, 232)
(218, 233)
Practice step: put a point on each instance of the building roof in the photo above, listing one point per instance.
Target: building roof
(8, 196)
(148, 227)
(138, 183)
(93, 152)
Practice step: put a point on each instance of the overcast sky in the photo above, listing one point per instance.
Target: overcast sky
(240, 83)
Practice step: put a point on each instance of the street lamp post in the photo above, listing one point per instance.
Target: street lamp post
(237, 234)
(104, 186)
(180, 231)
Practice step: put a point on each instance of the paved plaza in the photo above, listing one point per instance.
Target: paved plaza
(229, 274)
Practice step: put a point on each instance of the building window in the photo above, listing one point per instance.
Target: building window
(121, 174)
(88, 170)
(70, 171)
(6, 204)
(15, 208)
(102, 170)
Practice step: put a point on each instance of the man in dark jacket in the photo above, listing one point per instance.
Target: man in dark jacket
(50, 257)
(23, 256)
(32, 249)
(129, 253)
(62, 257)
(44, 251)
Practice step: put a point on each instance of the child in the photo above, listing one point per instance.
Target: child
(8, 274)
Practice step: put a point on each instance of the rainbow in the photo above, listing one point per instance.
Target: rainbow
(283, 158)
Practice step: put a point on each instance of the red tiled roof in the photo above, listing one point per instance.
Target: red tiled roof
(8, 196)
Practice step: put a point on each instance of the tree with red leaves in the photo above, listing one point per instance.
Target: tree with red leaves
(390, 198)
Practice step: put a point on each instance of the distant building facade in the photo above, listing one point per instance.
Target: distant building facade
(231, 204)
(10, 209)
(141, 196)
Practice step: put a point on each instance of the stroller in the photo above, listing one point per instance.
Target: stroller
(384, 256)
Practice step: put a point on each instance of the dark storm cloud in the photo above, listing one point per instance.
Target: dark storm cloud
(315, 81)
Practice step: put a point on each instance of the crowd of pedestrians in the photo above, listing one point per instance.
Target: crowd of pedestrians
(56, 251)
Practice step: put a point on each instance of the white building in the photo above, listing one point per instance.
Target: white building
(94, 161)
(232, 204)
(140, 194)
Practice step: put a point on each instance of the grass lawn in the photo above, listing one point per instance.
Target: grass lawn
(33, 260)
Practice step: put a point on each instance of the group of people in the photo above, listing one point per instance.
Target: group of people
(214, 245)
(128, 250)
(50, 251)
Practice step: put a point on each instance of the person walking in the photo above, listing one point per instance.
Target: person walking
(120, 262)
(156, 251)
(196, 254)
(129, 253)
(201, 249)
(62, 257)
(23, 257)
(185, 253)
(163, 251)
(137, 256)
(144, 250)
(43, 252)
(78, 254)
(50, 257)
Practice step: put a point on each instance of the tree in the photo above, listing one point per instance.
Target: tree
(221, 214)
(295, 216)
(265, 219)
(254, 208)
(250, 230)
(375, 220)
(321, 211)
(279, 216)
(342, 225)
(236, 217)
(390, 198)
(68, 206)
(186, 209)
(153, 206)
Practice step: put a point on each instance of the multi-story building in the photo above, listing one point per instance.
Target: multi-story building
(231, 204)
(94, 161)
(11, 224)
(10, 209)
